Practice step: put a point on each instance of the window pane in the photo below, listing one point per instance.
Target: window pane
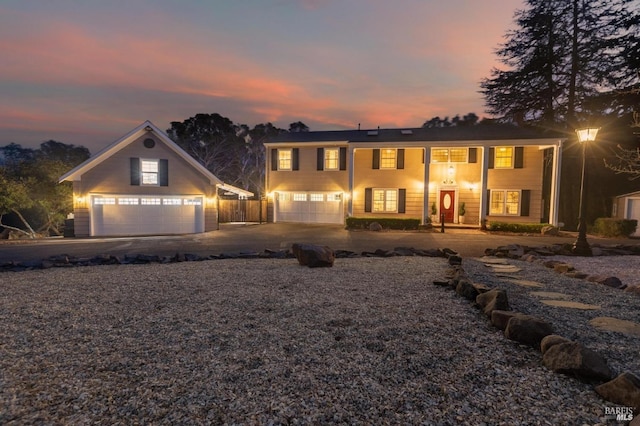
(513, 201)
(458, 155)
(171, 201)
(439, 155)
(387, 158)
(103, 201)
(316, 197)
(504, 157)
(149, 178)
(378, 200)
(497, 202)
(150, 201)
(391, 201)
(299, 197)
(284, 159)
(128, 201)
(331, 158)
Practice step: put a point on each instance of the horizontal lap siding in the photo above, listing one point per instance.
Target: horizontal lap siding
(529, 177)
(113, 176)
(410, 178)
(307, 178)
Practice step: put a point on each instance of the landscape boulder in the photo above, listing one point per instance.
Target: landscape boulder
(312, 255)
(500, 319)
(495, 299)
(551, 340)
(466, 289)
(573, 359)
(528, 330)
(623, 390)
(550, 230)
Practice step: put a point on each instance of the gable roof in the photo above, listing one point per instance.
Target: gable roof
(480, 132)
(146, 127)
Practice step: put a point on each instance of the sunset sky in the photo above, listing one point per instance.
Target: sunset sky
(86, 72)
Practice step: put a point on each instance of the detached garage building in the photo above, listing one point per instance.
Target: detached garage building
(144, 184)
(627, 206)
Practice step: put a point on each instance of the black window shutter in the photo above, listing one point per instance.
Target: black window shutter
(295, 165)
(320, 159)
(376, 159)
(402, 200)
(368, 199)
(343, 158)
(473, 155)
(488, 206)
(400, 160)
(492, 157)
(274, 159)
(518, 162)
(135, 171)
(164, 172)
(525, 202)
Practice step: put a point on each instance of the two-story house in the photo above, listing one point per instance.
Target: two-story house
(500, 173)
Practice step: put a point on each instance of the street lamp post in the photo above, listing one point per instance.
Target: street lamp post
(581, 246)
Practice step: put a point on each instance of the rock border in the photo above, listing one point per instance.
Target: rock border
(559, 354)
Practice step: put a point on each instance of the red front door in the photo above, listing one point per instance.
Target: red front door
(447, 203)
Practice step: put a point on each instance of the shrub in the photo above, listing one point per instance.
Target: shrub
(528, 228)
(610, 227)
(387, 223)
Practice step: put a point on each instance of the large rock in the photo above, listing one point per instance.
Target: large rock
(312, 255)
(551, 340)
(528, 330)
(550, 230)
(500, 319)
(573, 359)
(495, 299)
(466, 289)
(623, 390)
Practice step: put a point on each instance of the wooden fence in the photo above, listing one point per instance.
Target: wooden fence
(242, 210)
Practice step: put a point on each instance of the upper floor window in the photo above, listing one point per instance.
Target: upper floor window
(387, 158)
(449, 155)
(284, 159)
(503, 157)
(331, 158)
(149, 172)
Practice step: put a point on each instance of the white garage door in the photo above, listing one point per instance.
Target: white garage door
(309, 207)
(144, 215)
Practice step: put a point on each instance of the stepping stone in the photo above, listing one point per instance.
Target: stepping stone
(614, 324)
(505, 269)
(550, 295)
(570, 304)
(526, 283)
(488, 260)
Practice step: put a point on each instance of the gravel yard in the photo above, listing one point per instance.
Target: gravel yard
(369, 341)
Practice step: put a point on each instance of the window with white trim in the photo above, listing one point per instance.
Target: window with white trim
(128, 201)
(150, 201)
(388, 158)
(385, 200)
(503, 157)
(299, 197)
(331, 158)
(316, 197)
(284, 159)
(171, 201)
(149, 170)
(505, 202)
(102, 201)
(449, 155)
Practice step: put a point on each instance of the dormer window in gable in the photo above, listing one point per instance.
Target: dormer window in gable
(149, 172)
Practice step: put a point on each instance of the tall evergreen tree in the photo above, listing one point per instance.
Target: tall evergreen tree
(562, 53)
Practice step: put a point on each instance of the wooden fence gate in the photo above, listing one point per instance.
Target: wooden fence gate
(242, 211)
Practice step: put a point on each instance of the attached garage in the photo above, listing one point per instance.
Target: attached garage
(146, 215)
(627, 206)
(309, 207)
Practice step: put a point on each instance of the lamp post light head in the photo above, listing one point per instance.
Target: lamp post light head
(587, 134)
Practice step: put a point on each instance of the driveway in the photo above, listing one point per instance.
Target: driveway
(274, 236)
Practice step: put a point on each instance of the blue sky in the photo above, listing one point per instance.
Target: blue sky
(86, 72)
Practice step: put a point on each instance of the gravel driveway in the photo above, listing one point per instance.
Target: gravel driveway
(369, 341)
